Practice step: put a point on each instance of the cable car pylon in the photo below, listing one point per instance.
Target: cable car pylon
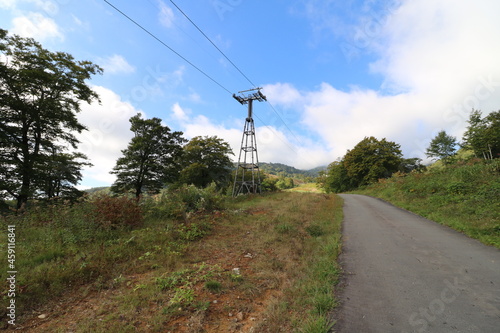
(247, 175)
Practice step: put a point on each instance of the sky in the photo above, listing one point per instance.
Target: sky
(334, 72)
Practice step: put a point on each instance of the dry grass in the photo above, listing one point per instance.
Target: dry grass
(268, 264)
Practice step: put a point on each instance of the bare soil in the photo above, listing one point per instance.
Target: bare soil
(236, 308)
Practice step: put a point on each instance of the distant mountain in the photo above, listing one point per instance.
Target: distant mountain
(97, 189)
(280, 169)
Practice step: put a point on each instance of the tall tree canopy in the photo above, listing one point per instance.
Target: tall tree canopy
(483, 135)
(367, 162)
(372, 159)
(151, 159)
(40, 94)
(60, 173)
(206, 160)
(443, 147)
(335, 178)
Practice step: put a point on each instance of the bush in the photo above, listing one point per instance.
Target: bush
(175, 203)
(114, 212)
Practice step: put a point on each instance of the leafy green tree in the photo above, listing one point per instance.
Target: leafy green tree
(151, 159)
(285, 183)
(443, 147)
(40, 93)
(206, 160)
(335, 178)
(61, 172)
(370, 160)
(267, 181)
(267, 184)
(411, 164)
(483, 135)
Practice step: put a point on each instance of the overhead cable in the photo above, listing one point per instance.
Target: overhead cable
(164, 44)
(236, 67)
(218, 49)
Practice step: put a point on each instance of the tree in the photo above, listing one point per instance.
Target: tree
(40, 94)
(335, 178)
(60, 173)
(370, 160)
(267, 183)
(285, 183)
(151, 158)
(411, 164)
(206, 160)
(483, 135)
(443, 147)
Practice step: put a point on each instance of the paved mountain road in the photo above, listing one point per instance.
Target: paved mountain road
(404, 273)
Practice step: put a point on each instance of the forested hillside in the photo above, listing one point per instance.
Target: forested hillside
(284, 170)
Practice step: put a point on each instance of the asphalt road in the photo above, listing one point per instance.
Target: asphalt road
(404, 273)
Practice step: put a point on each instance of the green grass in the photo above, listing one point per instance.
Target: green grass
(154, 270)
(306, 241)
(61, 247)
(306, 188)
(464, 196)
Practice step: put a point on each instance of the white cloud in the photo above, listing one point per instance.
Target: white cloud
(272, 144)
(8, 4)
(116, 64)
(439, 59)
(166, 15)
(108, 134)
(37, 26)
(282, 93)
(194, 97)
(179, 114)
(429, 45)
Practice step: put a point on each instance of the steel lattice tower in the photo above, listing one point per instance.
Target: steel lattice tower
(247, 176)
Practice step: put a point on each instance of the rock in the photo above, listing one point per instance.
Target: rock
(236, 271)
(230, 314)
(215, 301)
(42, 316)
(240, 316)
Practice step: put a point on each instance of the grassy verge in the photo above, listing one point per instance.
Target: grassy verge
(267, 262)
(465, 196)
(306, 188)
(298, 238)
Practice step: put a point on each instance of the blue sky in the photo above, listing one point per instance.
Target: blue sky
(333, 71)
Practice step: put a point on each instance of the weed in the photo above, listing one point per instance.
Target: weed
(172, 280)
(213, 286)
(236, 277)
(286, 272)
(315, 230)
(283, 228)
(114, 212)
(182, 296)
(317, 324)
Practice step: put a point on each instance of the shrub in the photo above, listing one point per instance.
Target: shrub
(175, 203)
(114, 212)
